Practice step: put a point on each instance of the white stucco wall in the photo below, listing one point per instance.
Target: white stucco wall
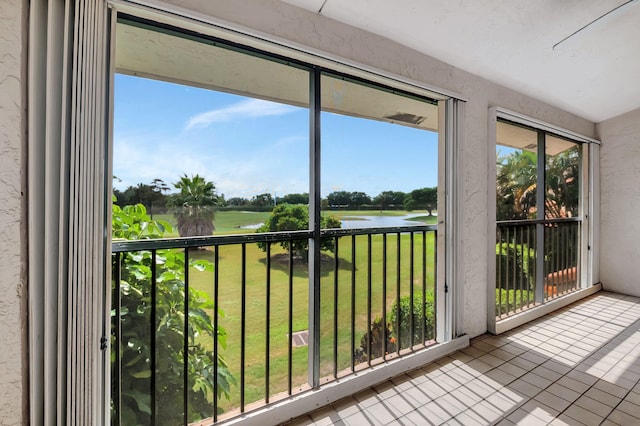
(620, 203)
(280, 21)
(12, 324)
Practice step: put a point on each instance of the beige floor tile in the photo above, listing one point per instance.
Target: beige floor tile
(610, 388)
(585, 417)
(622, 418)
(552, 400)
(564, 420)
(524, 418)
(536, 380)
(629, 408)
(593, 406)
(563, 392)
(301, 421)
(512, 369)
(540, 410)
(524, 388)
(573, 384)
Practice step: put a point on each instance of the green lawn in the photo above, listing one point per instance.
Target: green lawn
(256, 324)
(230, 222)
(230, 296)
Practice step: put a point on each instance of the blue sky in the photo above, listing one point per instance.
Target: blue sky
(249, 146)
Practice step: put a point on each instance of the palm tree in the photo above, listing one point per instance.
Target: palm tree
(194, 206)
(517, 180)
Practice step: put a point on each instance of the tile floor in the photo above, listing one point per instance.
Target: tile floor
(577, 366)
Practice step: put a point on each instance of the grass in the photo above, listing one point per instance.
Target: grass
(258, 324)
(352, 268)
(231, 222)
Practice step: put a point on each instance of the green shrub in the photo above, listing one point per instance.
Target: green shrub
(511, 300)
(295, 217)
(421, 324)
(132, 222)
(523, 258)
(381, 342)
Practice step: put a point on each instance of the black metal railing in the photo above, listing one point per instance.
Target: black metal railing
(210, 327)
(536, 260)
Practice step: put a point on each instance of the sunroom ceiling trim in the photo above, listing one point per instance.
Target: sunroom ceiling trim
(542, 125)
(195, 19)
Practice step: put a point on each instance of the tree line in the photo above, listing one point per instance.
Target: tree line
(156, 197)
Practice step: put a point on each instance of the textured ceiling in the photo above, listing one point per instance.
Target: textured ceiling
(594, 73)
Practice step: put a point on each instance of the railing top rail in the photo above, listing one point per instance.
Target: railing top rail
(341, 232)
(120, 246)
(218, 240)
(537, 221)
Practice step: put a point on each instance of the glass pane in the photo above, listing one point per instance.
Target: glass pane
(379, 170)
(209, 140)
(186, 108)
(516, 168)
(379, 156)
(562, 180)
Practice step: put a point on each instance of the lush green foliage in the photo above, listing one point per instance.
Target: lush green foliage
(382, 342)
(194, 206)
(389, 199)
(151, 196)
(515, 263)
(288, 217)
(512, 300)
(516, 183)
(423, 321)
(135, 289)
(294, 199)
(423, 198)
(348, 199)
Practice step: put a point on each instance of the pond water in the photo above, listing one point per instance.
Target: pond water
(353, 222)
(380, 221)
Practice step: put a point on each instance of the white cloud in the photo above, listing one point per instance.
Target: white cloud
(249, 108)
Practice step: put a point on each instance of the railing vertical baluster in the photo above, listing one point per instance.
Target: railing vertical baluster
(336, 268)
(290, 324)
(499, 272)
(153, 326)
(568, 260)
(522, 269)
(423, 324)
(507, 261)
(556, 254)
(267, 328)
(185, 355)
(547, 246)
(216, 280)
(435, 284)
(243, 323)
(528, 229)
(412, 325)
(353, 300)
(369, 353)
(156, 310)
(514, 280)
(398, 268)
(384, 294)
(563, 258)
(117, 298)
(577, 253)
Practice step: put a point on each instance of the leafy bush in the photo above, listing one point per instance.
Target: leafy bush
(524, 258)
(403, 312)
(381, 342)
(132, 222)
(510, 300)
(295, 217)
